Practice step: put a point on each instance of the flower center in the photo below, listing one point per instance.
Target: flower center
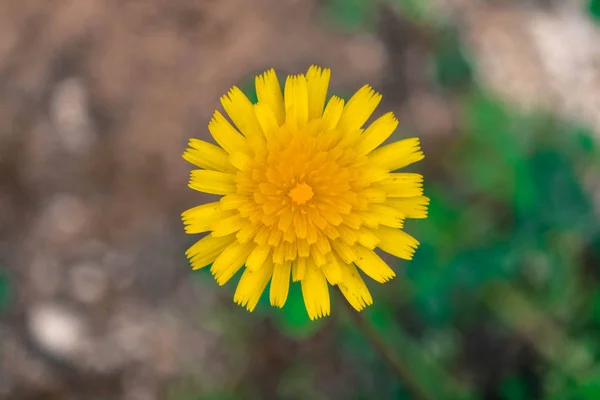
(301, 193)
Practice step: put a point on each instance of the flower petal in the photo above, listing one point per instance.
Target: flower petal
(251, 286)
(227, 226)
(353, 288)
(280, 284)
(201, 218)
(212, 182)
(333, 270)
(396, 242)
(207, 249)
(225, 134)
(387, 215)
(315, 293)
(381, 129)
(402, 185)
(241, 112)
(359, 109)
(269, 93)
(206, 155)
(296, 101)
(372, 265)
(398, 154)
(258, 256)
(332, 114)
(266, 119)
(411, 207)
(317, 80)
(299, 269)
(230, 261)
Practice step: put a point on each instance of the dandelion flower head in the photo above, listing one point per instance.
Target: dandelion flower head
(308, 193)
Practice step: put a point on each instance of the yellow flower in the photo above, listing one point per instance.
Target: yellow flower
(307, 193)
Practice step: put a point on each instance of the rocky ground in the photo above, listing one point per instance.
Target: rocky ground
(97, 100)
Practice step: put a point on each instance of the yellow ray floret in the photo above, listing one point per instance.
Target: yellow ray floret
(310, 193)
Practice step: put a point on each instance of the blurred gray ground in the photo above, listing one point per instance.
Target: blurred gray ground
(97, 100)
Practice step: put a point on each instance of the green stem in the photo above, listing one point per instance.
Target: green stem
(399, 367)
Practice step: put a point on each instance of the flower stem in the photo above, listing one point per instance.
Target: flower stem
(399, 367)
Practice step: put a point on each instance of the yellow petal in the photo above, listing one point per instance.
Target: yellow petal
(247, 232)
(373, 195)
(359, 109)
(227, 226)
(280, 284)
(226, 135)
(251, 286)
(240, 160)
(396, 242)
(369, 220)
(367, 238)
(303, 248)
(387, 216)
(332, 114)
(207, 156)
(377, 133)
(348, 235)
(257, 258)
(206, 250)
(316, 293)
(398, 154)
(241, 112)
(333, 270)
(353, 288)
(402, 185)
(372, 265)
(298, 269)
(291, 250)
(300, 225)
(317, 256)
(268, 92)
(411, 207)
(317, 80)
(345, 252)
(296, 101)
(233, 201)
(200, 219)
(212, 182)
(230, 261)
(266, 119)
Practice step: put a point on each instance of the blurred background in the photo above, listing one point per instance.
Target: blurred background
(97, 101)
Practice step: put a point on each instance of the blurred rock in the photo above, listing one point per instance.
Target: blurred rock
(64, 219)
(527, 55)
(58, 331)
(70, 115)
(89, 283)
(20, 370)
(45, 275)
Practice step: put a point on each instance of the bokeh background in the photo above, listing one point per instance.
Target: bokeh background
(97, 300)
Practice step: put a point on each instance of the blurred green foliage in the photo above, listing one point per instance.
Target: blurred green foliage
(5, 290)
(594, 9)
(351, 15)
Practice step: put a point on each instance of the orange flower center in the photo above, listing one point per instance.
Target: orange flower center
(301, 193)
